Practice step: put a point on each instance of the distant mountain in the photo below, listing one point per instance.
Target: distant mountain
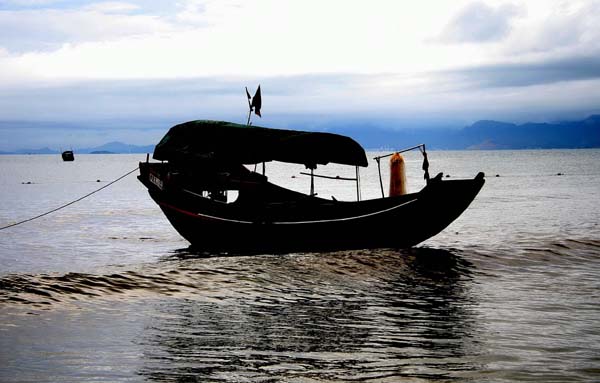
(487, 134)
(561, 135)
(109, 148)
(484, 134)
(117, 147)
(36, 151)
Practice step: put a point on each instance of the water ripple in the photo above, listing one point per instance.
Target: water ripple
(420, 314)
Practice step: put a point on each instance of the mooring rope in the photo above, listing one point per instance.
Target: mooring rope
(70, 203)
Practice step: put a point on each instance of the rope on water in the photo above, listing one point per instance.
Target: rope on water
(70, 203)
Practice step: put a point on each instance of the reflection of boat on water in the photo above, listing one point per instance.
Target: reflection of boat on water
(67, 155)
(204, 160)
(385, 314)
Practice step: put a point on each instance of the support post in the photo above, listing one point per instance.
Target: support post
(380, 180)
(357, 184)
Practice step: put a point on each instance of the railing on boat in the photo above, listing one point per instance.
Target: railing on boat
(425, 168)
(312, 184)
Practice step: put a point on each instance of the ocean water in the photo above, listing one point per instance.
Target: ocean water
(106, 291)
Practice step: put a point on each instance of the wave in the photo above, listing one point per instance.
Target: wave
(197, 275)
(187, 273)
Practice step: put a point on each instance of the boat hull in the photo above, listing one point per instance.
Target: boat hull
(314, 224)
(68, 155)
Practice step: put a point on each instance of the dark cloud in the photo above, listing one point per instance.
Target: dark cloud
(140, 111)
(528, 73)
(164, 97)
(478, 22)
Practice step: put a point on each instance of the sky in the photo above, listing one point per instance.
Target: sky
(81, 73)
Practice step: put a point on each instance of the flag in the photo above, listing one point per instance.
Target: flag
(256, 102)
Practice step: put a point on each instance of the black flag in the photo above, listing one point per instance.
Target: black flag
(256, 102)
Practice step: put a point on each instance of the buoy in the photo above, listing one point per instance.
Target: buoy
(397, 175)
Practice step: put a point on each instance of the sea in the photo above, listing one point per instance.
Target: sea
(105, 290)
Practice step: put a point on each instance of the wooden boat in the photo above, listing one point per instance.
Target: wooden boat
(67, 155)
(202, 160)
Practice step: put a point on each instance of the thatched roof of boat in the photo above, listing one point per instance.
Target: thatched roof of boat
(235, 143)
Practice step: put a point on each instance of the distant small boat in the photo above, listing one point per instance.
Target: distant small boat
(67, 155)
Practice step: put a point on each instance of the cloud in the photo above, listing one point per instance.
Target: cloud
(153, 63)
(479, 23)
(112, 7)
(464, 93)
(147, 100)
(523, 74)
(50, 29)
(220, 39)
(30, 3)
(134, 39)
(569, 29)
(88, 113)
(216, 13)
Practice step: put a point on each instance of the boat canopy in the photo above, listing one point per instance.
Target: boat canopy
(235, 143)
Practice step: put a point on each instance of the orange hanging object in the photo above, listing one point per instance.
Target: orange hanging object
(397, 175)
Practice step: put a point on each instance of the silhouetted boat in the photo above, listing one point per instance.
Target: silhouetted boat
(203, 160)
(67, 155)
